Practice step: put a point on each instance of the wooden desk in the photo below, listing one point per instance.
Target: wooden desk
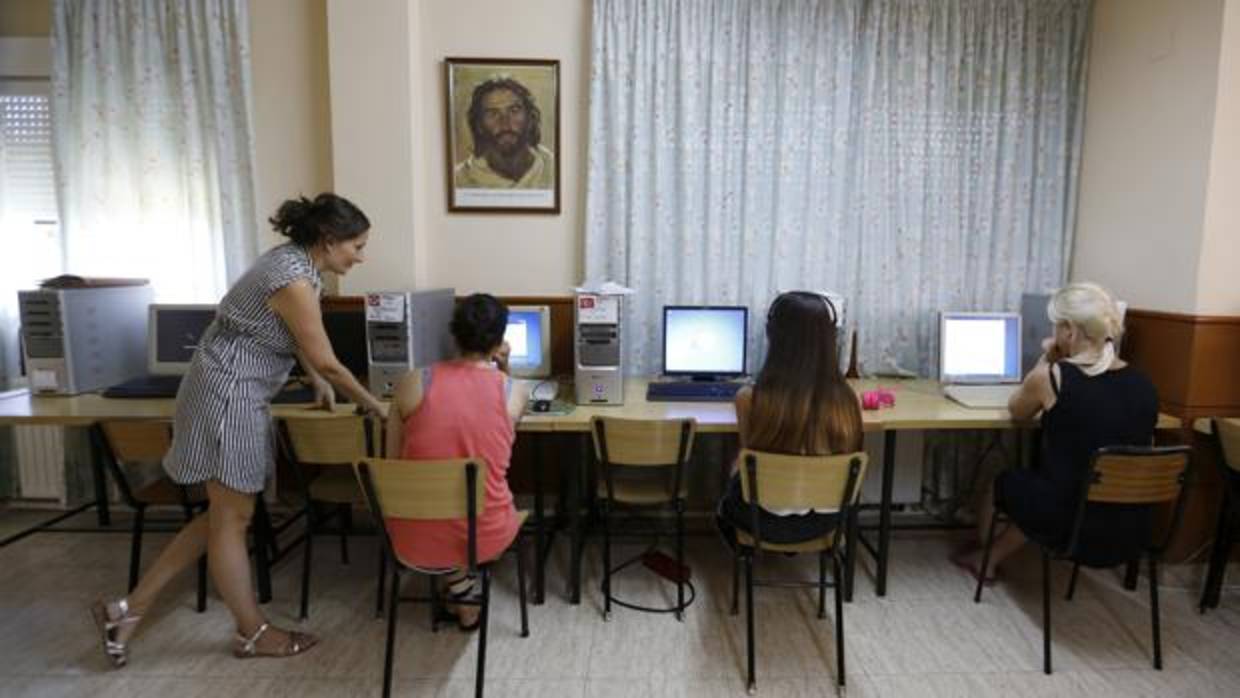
(920, 405)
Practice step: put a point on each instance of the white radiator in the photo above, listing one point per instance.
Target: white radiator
(41, 462)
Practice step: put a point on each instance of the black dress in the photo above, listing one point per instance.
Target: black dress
(1110, 409)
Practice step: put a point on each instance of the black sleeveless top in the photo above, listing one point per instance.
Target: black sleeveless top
(1111, 409)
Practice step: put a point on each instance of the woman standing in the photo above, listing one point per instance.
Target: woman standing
(799, 404)
(222, 432)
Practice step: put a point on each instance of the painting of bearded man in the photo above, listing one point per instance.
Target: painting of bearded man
(503, 125)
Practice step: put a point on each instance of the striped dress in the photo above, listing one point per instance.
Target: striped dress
(222, 427)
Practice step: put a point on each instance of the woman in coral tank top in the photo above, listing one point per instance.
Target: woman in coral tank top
(467, 406)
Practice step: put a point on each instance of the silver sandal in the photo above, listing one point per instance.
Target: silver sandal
(111, 626)
(247, 647)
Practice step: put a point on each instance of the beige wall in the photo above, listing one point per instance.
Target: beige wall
(292, 115)
(25, 17)
(1153, 74)
(1218, 289)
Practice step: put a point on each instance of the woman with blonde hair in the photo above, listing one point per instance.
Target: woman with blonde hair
(799, 404)
(1088, 398)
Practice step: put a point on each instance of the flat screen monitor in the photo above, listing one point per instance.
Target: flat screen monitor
(173, 331)
(979, 347)
(705, 341)
(529, 340)
(346, 330)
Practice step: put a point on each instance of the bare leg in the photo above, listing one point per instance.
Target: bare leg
(1008, 538)
(184, 550)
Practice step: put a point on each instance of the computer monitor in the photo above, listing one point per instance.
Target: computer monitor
(979, 347)
(172, 336)
(346, 330)
(529, 340)
(705, 341)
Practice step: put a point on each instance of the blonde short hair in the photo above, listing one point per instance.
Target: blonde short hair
(1089, 307)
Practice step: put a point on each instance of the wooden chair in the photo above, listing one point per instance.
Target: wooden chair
(125, 444)
(333, 446)
(642, 464)
(1227, 436)
(1142, 475)
(776, 481)
(436, 490)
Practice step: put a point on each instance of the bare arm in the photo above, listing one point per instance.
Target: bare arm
(298, 306)
(518, 391)
(406, 397)
(1035, 393)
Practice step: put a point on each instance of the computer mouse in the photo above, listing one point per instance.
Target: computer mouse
(542, 405)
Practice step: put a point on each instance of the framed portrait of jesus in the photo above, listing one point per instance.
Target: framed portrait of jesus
(503, 135)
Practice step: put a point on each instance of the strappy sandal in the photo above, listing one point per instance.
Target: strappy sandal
(115, 629)
(455, 607)
(247, 647)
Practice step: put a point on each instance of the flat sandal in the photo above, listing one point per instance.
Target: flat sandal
(110, 629)
(247, 648)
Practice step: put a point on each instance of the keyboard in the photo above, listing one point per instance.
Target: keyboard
(981, 396)
(692, 391)
(148, 386)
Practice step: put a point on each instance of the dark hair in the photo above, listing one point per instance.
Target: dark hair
(478, 323)
(801, 403)
(328, 218)
(533, 130)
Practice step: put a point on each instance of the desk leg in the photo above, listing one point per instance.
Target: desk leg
(99, 476)
(884, 512)
(540, 558)
(576, 526)
(261, 525)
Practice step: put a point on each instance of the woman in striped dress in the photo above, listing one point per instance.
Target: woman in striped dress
(222, 433)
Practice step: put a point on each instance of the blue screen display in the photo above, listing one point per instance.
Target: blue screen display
(524, 337)
(704, 341)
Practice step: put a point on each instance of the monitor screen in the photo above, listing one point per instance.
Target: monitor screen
(979, 347)
(704, 340)
(529, 340)
(173, 332)
(346, 330)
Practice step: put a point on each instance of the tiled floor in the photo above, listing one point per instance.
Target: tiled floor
(926, 638)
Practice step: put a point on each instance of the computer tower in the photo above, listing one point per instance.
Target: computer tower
(406, 329)
(598, 357)
(75, 340)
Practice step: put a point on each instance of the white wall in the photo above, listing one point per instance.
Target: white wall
(292, 118)
(1218, 289)
(1153, 76)
(371, 132)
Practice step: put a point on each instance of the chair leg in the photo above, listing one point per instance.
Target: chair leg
(1046, 612)
(990, 541)
(1219, 554)
(839, 619)
(680, 559)
(1132, 572)
(346, 528)
(749, 638)
(201, 605)
(1076, 569)
(393, 603)
(525, 616)
(1154, 614)
(606, 560)
(436, 602)
(382, 576)
(736, 581)
(850, 554)
(485, 573)
(306, 553)
(135, 546)
(822, 584)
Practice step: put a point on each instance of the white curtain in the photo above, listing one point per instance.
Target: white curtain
(912, 155)
(153, 142)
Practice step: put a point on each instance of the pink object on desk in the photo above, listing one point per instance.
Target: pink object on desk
(875, 399)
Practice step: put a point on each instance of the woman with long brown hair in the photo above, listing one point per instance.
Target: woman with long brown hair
(799, 404)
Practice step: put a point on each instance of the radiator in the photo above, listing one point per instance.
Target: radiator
(41, 462)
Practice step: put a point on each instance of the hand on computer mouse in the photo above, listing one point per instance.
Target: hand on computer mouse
(541, 406)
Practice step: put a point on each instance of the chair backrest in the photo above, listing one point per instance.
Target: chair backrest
(642, 442)
(327, 441)
(127, 442)
(1135, 475)
(1227, 431)
(781, 481)
(425, 489)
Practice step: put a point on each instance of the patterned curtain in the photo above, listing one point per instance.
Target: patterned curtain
(153, 143)
(911, 155)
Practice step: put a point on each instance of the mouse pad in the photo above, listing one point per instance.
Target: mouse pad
(558, 408)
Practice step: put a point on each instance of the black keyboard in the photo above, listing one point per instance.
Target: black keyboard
(692, 391)
(145, 387)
